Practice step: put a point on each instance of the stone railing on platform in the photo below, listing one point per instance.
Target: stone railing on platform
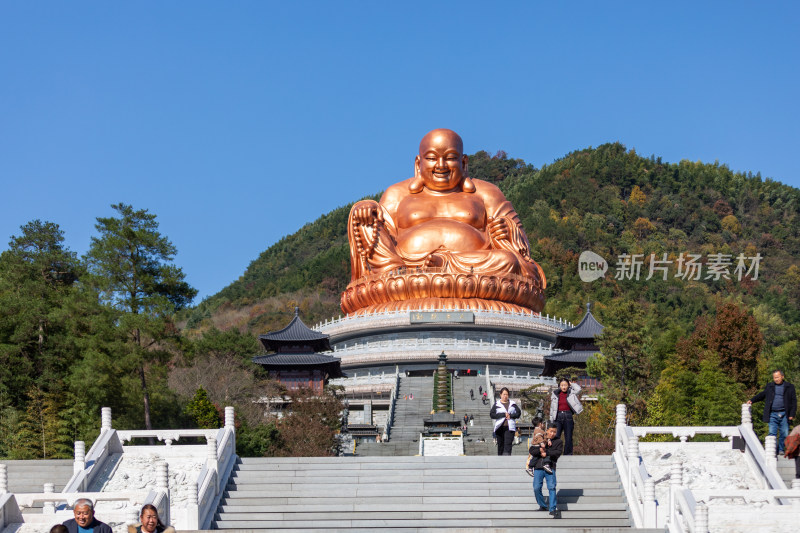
(441, 446)
(56, 507)
(426, 350)
(676, 506)
(389, 319)
(218, 456)
(387, 431)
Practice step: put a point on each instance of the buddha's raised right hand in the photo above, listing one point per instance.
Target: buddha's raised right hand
(366, 212)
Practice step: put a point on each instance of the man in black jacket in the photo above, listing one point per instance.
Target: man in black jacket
(551, 448)
(780, 406)
(84, 520)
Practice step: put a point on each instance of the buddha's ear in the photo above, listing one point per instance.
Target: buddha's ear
(468, 185)
(417, 183)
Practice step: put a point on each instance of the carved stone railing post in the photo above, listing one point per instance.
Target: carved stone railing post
(49, 507)
(675, 483)
(771, 451)
(747, 417)
(649, 501)
(796, 484)
(622, 414)
(633, 462)
(162, 484)
(80, 457)
(230, 418)
(105, 419)
(3, 479)
(701, 518)
(192, 508)
(211, 459)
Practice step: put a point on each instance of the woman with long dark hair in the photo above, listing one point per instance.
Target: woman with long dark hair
(505, 412)
(564, 403)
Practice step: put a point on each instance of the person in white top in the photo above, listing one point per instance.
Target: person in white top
(505, 412)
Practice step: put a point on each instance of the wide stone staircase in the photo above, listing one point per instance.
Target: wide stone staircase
(479, 436)
(31, 475)
(407, 421)
(408, 415)
(409, 494)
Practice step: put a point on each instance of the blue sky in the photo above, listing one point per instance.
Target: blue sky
(238, 122)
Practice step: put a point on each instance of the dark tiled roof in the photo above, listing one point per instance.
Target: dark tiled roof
(296, 331)
(294, 359)
(578, 356)
(588, 328)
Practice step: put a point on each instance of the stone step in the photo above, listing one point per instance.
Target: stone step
(362, 491)
(415, 514)
(384, 476)
(522, 499)
(438, 462)
(460, 529)
(425, 524)
(30, 475)
(391, 504)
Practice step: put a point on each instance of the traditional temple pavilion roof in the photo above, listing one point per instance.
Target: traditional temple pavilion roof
(301, 361)
(576, 356)
(588, 329)
(294, 360)
(555, 362)
(295, 335)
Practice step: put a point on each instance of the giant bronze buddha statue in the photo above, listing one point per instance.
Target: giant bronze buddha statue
(440, 240)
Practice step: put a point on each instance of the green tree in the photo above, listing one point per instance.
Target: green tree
(203, 412)
(37, 280)
(130, 265)
(624, 366)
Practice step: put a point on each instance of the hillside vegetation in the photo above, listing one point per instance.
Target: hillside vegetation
(608, 200)
(113, 328)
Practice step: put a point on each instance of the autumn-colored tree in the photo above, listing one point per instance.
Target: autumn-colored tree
(734, 336)
(637, 197)
(643, 227)
(731, 223)
(309, 429)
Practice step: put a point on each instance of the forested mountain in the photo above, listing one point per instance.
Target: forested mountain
(607, 199)
(685, 346)
(679, 348)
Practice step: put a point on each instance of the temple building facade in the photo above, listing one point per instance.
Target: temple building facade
(297, 360)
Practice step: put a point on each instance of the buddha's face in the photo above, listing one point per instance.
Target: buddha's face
(441, 163)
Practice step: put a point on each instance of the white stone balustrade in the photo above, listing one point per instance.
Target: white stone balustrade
(3, 479)
(771, 450)
(80, 457)
(441, 446)
(361, 322)
(49, 507)
(105, 419)
(194, 499)
(718, 474)
(167, 436)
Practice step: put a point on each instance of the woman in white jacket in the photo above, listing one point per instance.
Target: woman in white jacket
(505, 412)
(564, 403)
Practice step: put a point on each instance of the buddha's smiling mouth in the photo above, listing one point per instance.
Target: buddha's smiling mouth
(441, 175)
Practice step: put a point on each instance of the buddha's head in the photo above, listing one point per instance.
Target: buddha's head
(441, 164)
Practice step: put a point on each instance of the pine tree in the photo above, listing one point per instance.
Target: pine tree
(203, 412)
(130, 264)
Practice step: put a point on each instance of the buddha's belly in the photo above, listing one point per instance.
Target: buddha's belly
(441, 233)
